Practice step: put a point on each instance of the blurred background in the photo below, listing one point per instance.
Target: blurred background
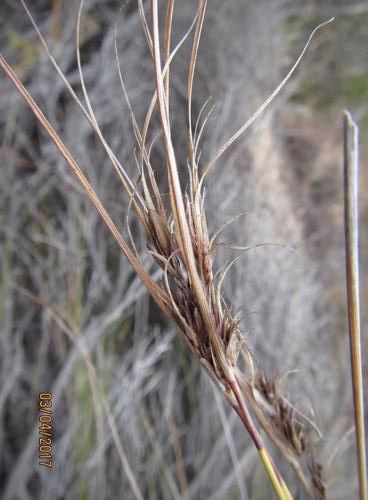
(129, 400)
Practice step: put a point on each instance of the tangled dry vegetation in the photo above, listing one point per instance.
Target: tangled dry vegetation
(133, 412)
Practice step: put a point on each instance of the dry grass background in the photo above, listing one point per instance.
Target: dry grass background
(68, 296)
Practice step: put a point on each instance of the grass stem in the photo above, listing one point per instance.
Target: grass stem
(275, 477)
(352, 285)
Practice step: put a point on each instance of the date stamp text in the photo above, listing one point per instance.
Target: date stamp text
(45, 430)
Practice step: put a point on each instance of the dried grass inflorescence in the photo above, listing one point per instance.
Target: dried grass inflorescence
(282, 414)
(183, 306)
(189, 291)
(290, 427)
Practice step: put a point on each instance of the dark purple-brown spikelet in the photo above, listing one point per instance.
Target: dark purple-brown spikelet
(316, 473)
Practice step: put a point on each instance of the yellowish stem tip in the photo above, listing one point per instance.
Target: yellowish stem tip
(280, 487)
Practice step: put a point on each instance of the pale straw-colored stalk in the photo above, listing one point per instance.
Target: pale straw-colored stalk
(351, 160)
